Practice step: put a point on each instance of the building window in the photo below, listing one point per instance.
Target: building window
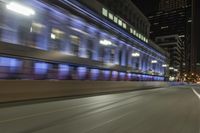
(112, 55)
(36, 28)
(57, 34)
(105, 12)
(134, 32)
(120, 22)
(124, 25)
(115, 19)
(131, 30)
(57, 37)
(36, 32)
(111, 16)
(90, 49)
(75, 42)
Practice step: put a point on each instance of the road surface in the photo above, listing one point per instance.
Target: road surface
(164, 110)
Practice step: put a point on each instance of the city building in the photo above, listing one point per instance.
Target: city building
(173, 44)
(173, 17)
(195, 47)
(167, 5)
(76, 40)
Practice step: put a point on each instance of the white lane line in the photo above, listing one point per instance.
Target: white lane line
(196, 93)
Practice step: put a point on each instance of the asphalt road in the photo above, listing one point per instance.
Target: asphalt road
(165, 110)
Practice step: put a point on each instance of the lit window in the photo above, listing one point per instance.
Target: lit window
(139, 36)
(115, 19)
(57, 34)
(134, 32)
(37, 28)
(75, 39)
(111, 16)
(124, 25)
(120, 22)
(104, 12)
(41, 68)
(53, 36)
(131, 30)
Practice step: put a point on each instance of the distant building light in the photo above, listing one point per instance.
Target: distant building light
(136, 54)
(21, 9)
(115, 19)
(124, 25)
(105, 42)
(110, 16)
(131, 30)
(171, 68)
(134, 32)
(164, 27)
(189, 21)
(105, 12)
(154, 61)
(53, 36)
(164, 65)
(175, 70)
(120, 22)
(182, 36)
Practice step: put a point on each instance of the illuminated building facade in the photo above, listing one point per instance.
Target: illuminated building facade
(69, 40)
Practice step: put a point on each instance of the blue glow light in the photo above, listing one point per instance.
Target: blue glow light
(41, 68)
(10, 62)
(82, 72)
(63, 69)
(122, 75)
(94, 74)
(106, 74)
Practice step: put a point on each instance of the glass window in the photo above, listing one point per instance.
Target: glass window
(134, 32)
(139, 36)
(131, 30)
(112, 55)
(36, 28)
(57, 34)
(124, 25)
(75, 41)
(36, 31)
(115, 19)
(90, 49)
(120, 22)
(57, 37)
(104, 12)
(111, 16)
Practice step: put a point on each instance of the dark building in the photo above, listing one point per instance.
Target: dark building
(170, 19)
(77, 40)
(195, 47)
(173, 44)
(167, 5)
(173, 17)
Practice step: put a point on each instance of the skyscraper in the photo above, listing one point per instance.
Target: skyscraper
(167, 5)
(173, 17)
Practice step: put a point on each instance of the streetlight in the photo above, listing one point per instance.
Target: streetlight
(21, 9)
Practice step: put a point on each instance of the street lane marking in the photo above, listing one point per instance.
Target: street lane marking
(196, 93)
